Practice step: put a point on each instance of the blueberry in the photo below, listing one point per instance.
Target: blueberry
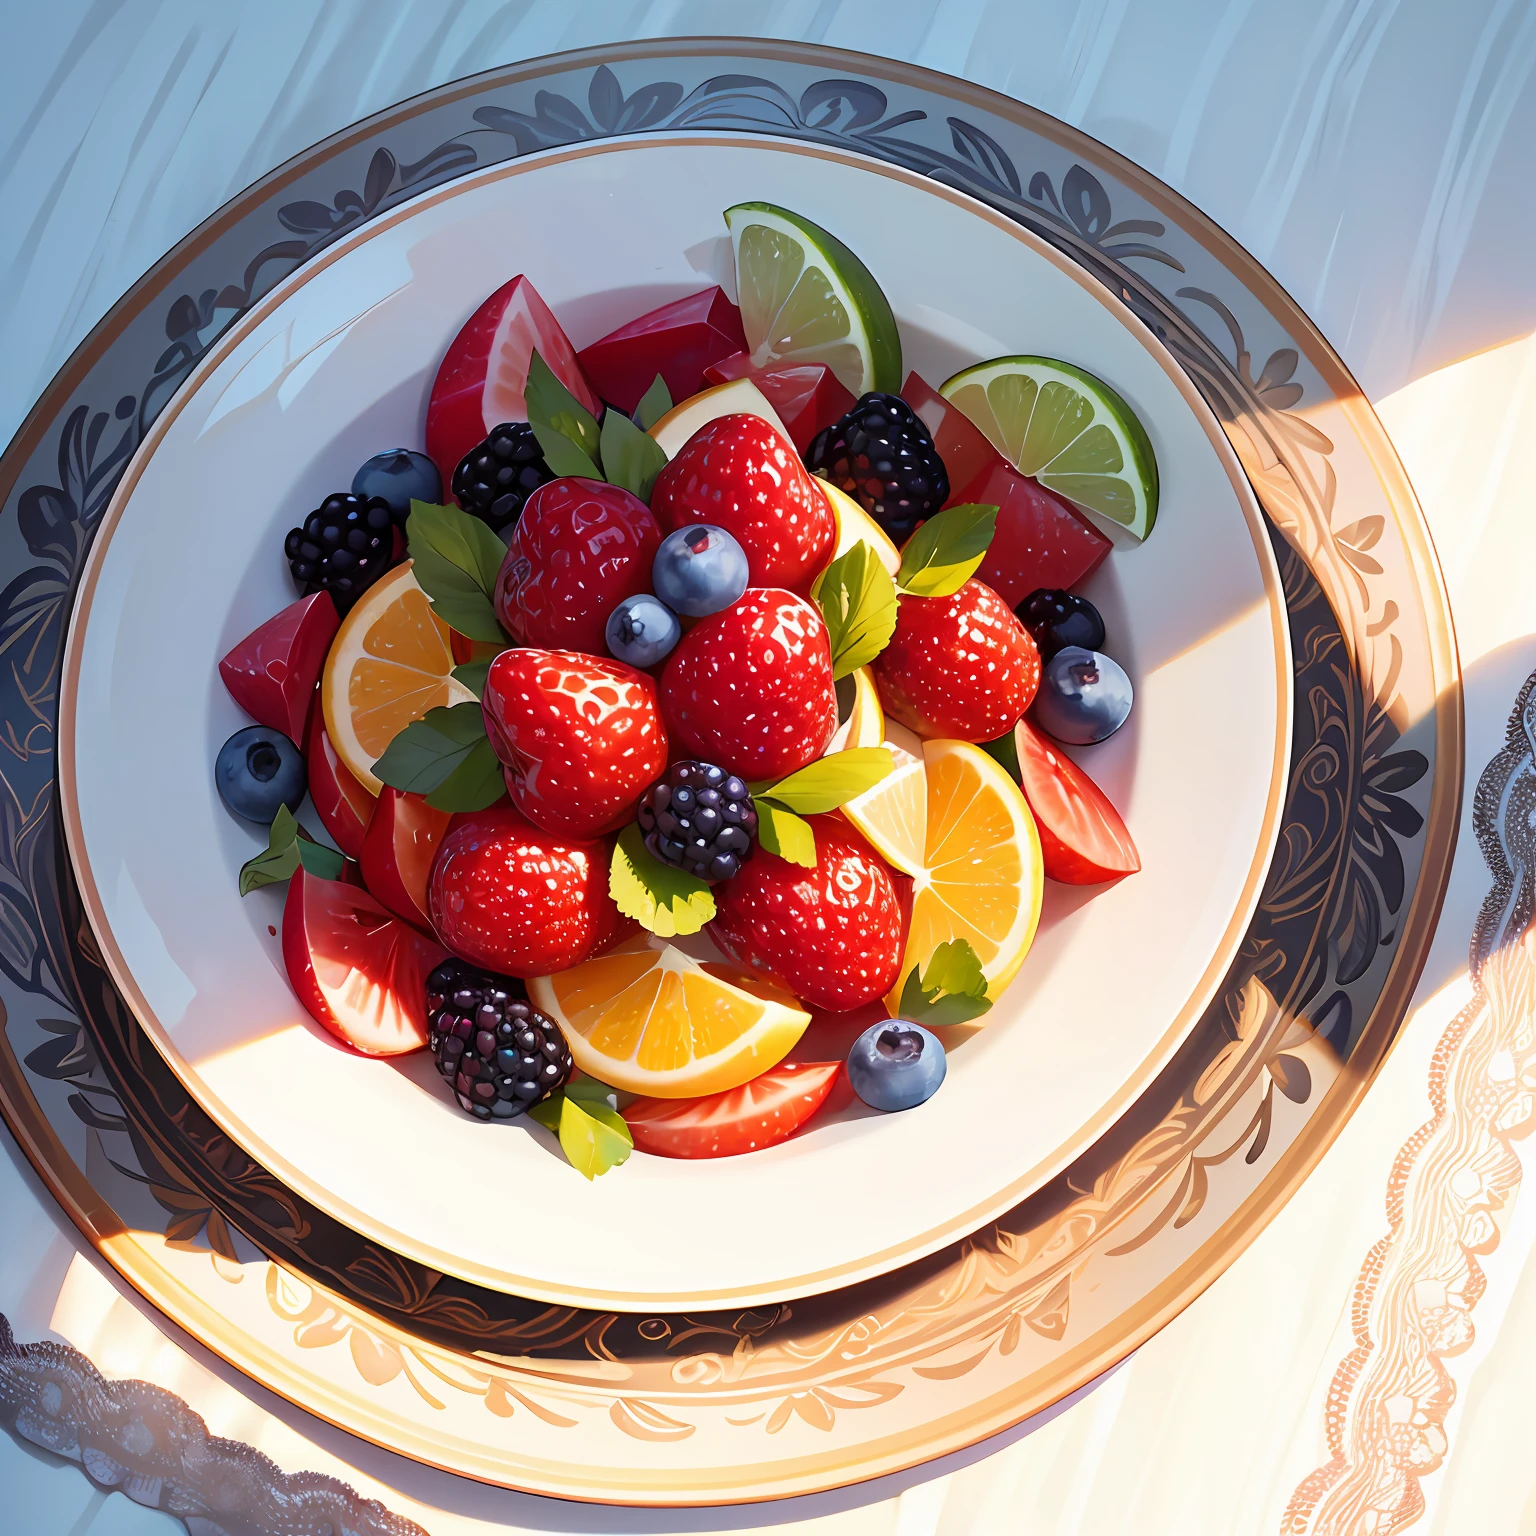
(257, 771)
(699, 569)
(400, 476)
(1084, 696)
(641, 631)
(896, 1065)
(1057, 619)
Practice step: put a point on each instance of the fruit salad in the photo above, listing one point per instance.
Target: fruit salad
(691, 704)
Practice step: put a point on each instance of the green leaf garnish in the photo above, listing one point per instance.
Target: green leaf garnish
(561, 423)
(289, 845)
(858, 601)
(780, 831)
(663, 899)
(446, 757)
(951, 991)
(455, 559)
(943, 554)
(654, 404)
(832, 781)
(593, 1135)
(631, 458)
(473, 675)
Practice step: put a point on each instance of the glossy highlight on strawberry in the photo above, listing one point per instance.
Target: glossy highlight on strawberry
(580, 737)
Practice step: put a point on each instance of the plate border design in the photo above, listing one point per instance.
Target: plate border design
(1004, 1322)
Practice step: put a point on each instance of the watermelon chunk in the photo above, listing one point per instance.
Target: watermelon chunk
(678, 341)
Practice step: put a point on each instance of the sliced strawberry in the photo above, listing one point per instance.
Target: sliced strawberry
(345, 805)
(806, 396)
(398, 850)
(1083, 841)
(272, 673)
(678, 341)
(359, 972)
(482, 379)
(762, 1113)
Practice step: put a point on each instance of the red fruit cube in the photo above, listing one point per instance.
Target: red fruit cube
(678, 341)
(1040, 541)
(807, 396)
(272, 673)
(968, 456)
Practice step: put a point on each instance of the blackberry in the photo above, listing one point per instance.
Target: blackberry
(699, 818)
(496, 477)
(883, 457)
(1057, 619)
(500, 1055)
(344, 546)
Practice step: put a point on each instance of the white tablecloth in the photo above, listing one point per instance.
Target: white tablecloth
(1376, 155)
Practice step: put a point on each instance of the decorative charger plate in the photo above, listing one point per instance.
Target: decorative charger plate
(678, 1405)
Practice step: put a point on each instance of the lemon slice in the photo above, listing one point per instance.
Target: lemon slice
(736, 397)
(893, 815)
(391, 662)
(984, 877)
(650, 1019)
(865, 725)
(806, 298)
(1066, 429)
(856, 526)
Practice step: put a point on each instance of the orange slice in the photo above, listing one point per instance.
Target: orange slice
(391, 662)
(984, 877)
(894, 814)
(650, 1019)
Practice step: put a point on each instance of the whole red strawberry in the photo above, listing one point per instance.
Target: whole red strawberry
(506, 896)
(832, 935)
(960, 667)
(581, 737)
(740, 474)
(750, 688)
(580, 548)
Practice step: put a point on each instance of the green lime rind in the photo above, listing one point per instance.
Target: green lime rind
(873, 333)
(1070, 438)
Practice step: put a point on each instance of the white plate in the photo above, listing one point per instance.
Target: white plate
(336, 365)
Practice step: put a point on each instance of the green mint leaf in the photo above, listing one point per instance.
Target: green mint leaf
(951, 991)
(658, 897)
(455, 559)
(280, 858)
(588, 1091)
(320, 860)
(552, 405)
(943, 554)
(562, 455)
(424, 755)
(593, 1135)
(476, 784)
(631, 458)
(858, 601)
(654, 404)
(1006, 750)
(832, 781)
(780, 831)
(955, 967)
(473, 674)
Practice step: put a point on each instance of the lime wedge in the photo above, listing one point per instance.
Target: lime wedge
(1066, 429)
(806, 298)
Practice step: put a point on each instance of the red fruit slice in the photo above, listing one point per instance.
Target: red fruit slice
(272, 673)
(345, 805)
(762, 1113)
(360, 973)
(1082, 839)
(1040, 541)
(806, 396)
(481, 381)
(678, 341)
(968, 456)
(398, 850)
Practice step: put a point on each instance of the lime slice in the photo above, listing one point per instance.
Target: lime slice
(806, 298)
(1066, 429)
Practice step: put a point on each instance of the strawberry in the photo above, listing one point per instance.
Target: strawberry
(960, 667)
(581, 737)
(506, 896)
(740, 474)
(580, 548)
(832, 935)
(750, 688)
(761, 1113)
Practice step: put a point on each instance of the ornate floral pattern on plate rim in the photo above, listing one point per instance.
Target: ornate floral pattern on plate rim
(939, 1355)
